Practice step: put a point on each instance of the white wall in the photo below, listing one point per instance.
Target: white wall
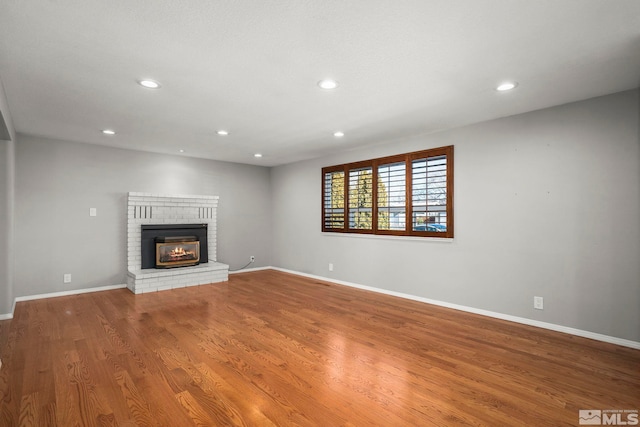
(546, 204)
(58, 181)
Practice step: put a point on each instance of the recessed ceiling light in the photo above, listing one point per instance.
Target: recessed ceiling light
(223, 132)
(150, 84)
(182, 151)
(338, 134)
(108, 132)
(257, 155)
(328, 84)
(506, 86)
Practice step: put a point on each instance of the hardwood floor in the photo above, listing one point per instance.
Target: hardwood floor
(268, 348)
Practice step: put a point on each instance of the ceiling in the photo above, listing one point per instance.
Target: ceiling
(70, 69)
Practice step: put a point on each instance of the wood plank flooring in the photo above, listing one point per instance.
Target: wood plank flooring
(273, 349)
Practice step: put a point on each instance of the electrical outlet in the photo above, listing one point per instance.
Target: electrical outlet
(93, 212)
(67, 278)
(330, 266)
(538, 303)
(252, 258)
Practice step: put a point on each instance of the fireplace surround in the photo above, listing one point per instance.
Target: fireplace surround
(192, 215)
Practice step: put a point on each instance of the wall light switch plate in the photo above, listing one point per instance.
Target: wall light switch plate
(67, 278)
(538, 303)
(330, 266)
(93, 212)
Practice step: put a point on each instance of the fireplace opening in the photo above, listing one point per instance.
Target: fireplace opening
(179, 251)
(173, 245)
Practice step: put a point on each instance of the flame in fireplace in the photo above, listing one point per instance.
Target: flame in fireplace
(178, 251)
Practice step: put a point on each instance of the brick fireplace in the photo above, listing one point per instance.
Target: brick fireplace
(147, 209)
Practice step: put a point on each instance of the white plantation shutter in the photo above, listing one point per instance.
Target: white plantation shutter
(392, 196)
(361, 198)
(429, 194)
(333, 201)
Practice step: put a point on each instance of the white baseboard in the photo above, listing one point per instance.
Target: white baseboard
(246, 270)
(8, 316)
(58, 294)
(72, 292)
(515, 319)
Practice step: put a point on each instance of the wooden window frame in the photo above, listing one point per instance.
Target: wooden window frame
(408, 159)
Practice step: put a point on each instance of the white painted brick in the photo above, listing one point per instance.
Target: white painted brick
(168, 209)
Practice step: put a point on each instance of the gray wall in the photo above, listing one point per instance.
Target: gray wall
(7, 150)
(546, 204)
(58, 181)
(6, 225)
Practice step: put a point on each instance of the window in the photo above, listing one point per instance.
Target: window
(333, 200)
(405, 195)
(392, 196)
(360, 196)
